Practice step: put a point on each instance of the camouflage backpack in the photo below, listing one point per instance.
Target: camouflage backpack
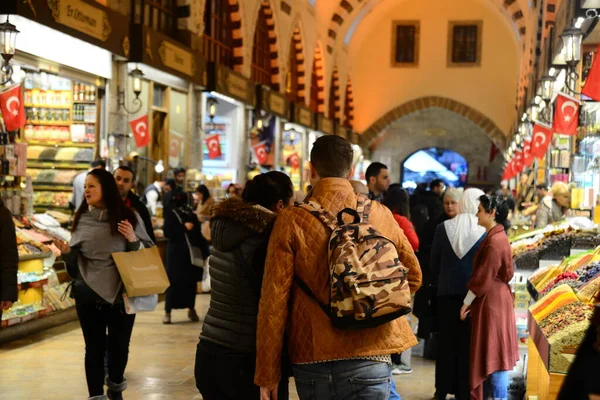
(368, 285)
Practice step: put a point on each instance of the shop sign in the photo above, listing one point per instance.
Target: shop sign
(82, 17)
(302, 115)
(177, 58)
(324, 124)
(236, 85)
(223, 80)
(272, 102)
(160, 51)
(87, 20)
(277, 103)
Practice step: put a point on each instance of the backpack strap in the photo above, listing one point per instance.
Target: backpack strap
(363, 207)
(322, 214)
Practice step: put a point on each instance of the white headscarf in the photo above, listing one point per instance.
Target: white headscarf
(462, 230)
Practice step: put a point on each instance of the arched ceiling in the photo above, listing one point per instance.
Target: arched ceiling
(346, 15)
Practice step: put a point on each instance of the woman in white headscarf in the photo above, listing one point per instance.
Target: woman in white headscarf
(454, 246)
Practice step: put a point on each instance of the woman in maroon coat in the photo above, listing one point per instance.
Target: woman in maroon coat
(494, 348)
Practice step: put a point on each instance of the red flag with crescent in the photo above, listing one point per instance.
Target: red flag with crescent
(518, 165)
(214, 146)
(139, 127)
(527, 157)
(540, 140)
(592, 84)
(12, 108)
(566, 115)
(260, 151)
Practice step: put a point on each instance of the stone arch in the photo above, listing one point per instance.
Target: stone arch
(235, 14)
(266, 11)
(295, 79)
(317, 89)
(335, 106)
(369, 137)
(349, 105)
(344, 10)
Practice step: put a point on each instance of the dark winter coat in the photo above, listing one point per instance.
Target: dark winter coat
(135, 203)
(9, 257)
(450, 274)
(240, 235)
(179, 264)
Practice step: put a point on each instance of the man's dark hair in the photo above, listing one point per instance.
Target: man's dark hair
(373, 170)
(178, 171)
(542, 186)
(435, 183)
(332, 156)
(98, 163)
(125, 168)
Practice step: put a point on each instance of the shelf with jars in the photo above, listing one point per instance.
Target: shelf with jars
(61, 130)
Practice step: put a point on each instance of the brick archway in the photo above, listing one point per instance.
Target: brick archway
(369, 137)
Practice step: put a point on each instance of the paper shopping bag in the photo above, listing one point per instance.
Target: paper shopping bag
(142, 272)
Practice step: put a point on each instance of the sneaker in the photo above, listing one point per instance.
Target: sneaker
(396, 369)
(405, 370)
(193, 316)
(167, 319)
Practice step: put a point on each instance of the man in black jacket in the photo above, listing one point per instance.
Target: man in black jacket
(9, 260)
(125, 178)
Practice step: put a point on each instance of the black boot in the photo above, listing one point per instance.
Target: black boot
(115, 390)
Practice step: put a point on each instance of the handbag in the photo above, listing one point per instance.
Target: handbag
(196, 257)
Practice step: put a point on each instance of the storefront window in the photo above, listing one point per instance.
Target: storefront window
(292, 153)
(178, 128)
(158, 95)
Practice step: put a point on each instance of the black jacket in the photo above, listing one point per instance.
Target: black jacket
(240, 235)
(142, 209)
(9, 257)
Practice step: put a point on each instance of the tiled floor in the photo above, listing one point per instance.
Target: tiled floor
(49, 365)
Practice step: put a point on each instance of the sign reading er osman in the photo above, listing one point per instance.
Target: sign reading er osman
(82, 17)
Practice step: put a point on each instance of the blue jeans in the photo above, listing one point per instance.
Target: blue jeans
(346, 379)
(496, 385)
(394, 393)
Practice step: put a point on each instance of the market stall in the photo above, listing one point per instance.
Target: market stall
(557, 277)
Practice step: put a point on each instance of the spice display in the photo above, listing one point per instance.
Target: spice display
(588, 291)
(558, 297)
(569, 278)
(564, 316)
(570, 337)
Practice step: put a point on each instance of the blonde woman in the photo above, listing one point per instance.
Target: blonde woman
(553, 209)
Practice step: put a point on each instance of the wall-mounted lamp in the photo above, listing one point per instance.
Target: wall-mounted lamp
(259, 123)
(159, 167)
(136, 76)
(571, 39)
(211, 104)
(8, 42)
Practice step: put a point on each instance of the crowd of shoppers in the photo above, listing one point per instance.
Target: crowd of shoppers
(262, 326)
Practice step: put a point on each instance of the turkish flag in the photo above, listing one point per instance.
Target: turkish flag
(260, 151)
(214, 146)
(518, 162)
(540, 140)
(13, 110)
(527, 157)
(294, 160)
(139, 127)
(508, 171)
(592, 84)
(566, 115)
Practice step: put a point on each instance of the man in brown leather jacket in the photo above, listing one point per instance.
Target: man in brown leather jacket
(9, 260)
(328, 362)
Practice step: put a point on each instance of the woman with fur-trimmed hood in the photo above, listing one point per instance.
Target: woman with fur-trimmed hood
(225, 360)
